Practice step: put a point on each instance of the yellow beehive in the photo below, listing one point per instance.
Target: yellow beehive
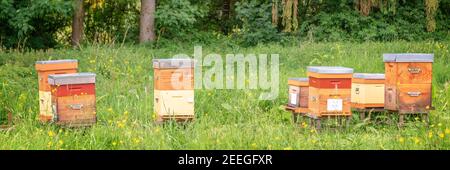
(367, 90)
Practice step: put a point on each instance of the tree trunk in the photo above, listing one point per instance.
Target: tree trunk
(77, 23)
(147, 21)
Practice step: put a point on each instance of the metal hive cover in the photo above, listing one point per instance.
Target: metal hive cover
(330, 70)
(57, 61)
(372, 76)
(302, 79)
(74, 78)
(173, 63)
(408, 57)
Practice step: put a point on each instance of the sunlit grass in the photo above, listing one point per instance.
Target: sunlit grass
(225, 119)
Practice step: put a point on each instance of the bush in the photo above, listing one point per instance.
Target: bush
(256, 24)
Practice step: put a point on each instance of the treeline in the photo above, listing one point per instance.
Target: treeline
(55, 23)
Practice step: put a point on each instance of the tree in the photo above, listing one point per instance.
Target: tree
(77, 23)
(147, 21)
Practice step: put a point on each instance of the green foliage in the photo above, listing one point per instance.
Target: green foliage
(112, 21)
(31, 23)
(256, 19)
(177, 18)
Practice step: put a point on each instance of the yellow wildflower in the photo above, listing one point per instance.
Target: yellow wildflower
(447, 131)
(401, 140)
(430, 134)
(51, 133)
(287, 148)
(441, 135)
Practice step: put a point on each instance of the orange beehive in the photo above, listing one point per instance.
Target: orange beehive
(329, 91)
(45, 68)
(298, 95)
(408, 82)
(173, 89)
(73, 99)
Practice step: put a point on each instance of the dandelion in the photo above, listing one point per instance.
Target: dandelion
(304, 125)
(430, 134)
(447, 131)
(136, 141)
(313, 131)
(114, 143)
(60, 142)
(120, 125)
(51, 133)
(125, 113)
(401, 140)
(49, 144)
(254, 145)
(269, 146)
(441, 135)
(416, 140)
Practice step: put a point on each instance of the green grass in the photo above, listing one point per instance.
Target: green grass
(225, 119)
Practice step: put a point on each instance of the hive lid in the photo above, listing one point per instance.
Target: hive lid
(173, 63)
(408, 57)
(74, 78)
(300, 79)
(330, 70)
(57, 61)
(371, 76)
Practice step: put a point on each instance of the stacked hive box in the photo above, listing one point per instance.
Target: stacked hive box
(44, 69)
(329, 91)
(367, 91)
(408, 83)
(73, 99)
(298, 95)
(173, 89)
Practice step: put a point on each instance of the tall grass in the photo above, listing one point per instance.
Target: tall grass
(225, 119)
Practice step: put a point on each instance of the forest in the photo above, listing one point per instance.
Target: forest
(47, 24)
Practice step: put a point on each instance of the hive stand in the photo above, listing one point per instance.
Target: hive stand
(367, 112)
(9, 124)
(296, 112)
(317, 121)
(176, 118)
(423, 115)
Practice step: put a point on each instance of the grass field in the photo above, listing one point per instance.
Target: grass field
(225, 119)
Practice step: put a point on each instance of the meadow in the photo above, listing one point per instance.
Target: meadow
(225, 119)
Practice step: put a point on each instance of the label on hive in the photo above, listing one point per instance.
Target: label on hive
(45, 105)
(293, 99)
(334, 104)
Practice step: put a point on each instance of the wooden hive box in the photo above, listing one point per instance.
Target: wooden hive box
(367, 90)
(173, 89)
(329, 91)
(408, 82)
(45, 68)
(73, 99)
(173, 74)
(298, 95)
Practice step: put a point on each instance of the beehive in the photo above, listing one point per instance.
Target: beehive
(329, 91)
(73, 99)
(298, 95)
(45, 68)
(173, 89)
(367, 90)
(408, 82)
